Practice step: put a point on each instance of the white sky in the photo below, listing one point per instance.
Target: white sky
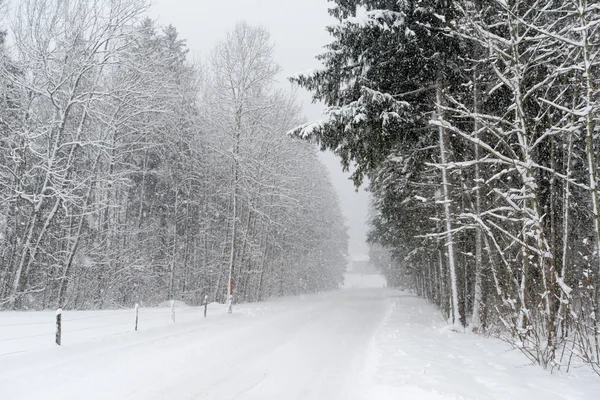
(298, 31)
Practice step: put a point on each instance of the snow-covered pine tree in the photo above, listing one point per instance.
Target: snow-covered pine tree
(386, 68)
(512, 87)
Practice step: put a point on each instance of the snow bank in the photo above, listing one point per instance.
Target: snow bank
(418, 357)
(31, 331)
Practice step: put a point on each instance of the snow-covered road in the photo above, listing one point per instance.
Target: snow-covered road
(359, 343)
(305, 348)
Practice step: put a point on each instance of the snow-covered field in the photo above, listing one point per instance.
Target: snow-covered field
(360, 343)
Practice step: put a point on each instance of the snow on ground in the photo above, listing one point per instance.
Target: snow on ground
(357, 280)
(22, 332)
(368, 343)
(308, 347)
(416, 356)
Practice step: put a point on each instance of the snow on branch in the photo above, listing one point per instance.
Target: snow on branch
(379, 19)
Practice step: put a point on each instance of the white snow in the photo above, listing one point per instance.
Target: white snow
(375, 18)
(369, 343)
(356, 280)
(565, 288)
(416, 356)
(176, 303)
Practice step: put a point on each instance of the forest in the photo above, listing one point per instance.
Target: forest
(130, 174)
(476, 124)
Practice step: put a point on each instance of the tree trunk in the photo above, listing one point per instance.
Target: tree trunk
(456, 317)
(477, 297)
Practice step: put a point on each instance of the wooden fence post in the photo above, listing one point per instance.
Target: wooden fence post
(173, 310)
(58, 336)
(137, 310)
(205, 304)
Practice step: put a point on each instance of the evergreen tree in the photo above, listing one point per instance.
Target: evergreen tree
(383, 77)
(474, 121)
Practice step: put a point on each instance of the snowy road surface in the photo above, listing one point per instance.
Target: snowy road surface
(372, 343)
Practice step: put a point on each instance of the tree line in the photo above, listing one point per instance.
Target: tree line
(129, 174)
(477, 125)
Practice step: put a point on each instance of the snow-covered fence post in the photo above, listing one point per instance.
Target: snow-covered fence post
(173, 310)
(137, 310)
(58, 326)
(205, 304)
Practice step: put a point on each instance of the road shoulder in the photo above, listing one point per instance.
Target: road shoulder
(415, 355)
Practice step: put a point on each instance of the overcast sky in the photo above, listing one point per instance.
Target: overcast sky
(298, 31)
